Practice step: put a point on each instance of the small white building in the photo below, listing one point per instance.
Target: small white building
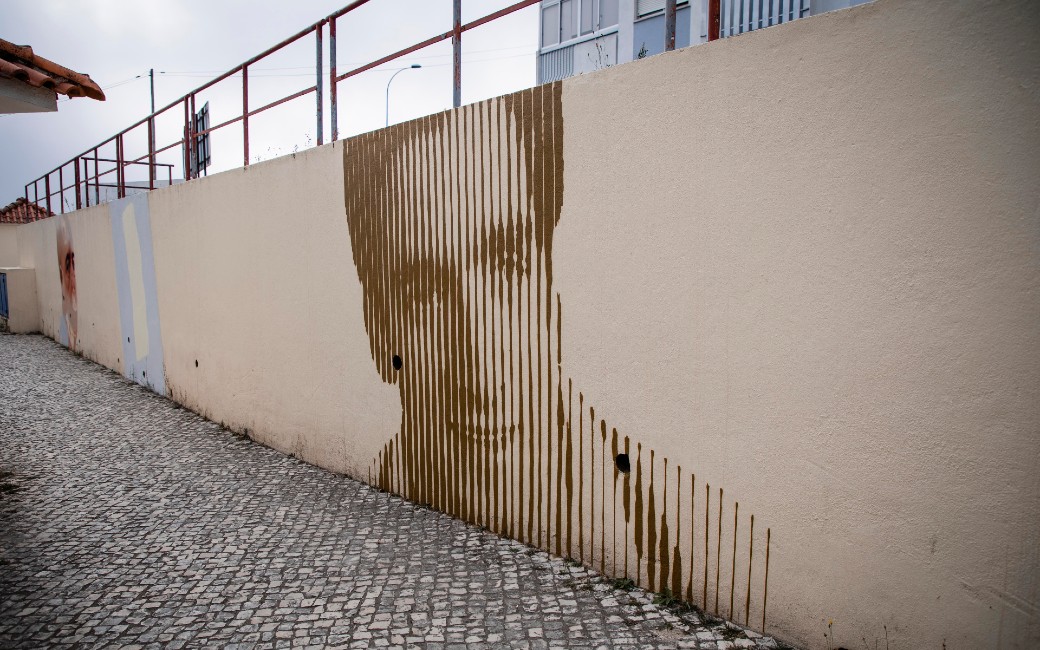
(577, 36)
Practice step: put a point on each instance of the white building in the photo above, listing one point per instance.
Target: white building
(579, 36)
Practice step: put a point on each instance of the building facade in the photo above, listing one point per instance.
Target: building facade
(578, 36)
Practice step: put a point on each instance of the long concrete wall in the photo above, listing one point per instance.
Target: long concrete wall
(754, 322)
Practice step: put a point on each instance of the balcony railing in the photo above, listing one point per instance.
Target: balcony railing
(105, 165)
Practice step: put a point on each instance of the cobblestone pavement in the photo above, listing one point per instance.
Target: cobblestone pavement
(128, 521)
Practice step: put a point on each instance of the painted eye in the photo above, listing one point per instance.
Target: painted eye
(397, 362)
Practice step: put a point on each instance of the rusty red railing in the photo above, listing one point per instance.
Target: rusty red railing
(89, 168)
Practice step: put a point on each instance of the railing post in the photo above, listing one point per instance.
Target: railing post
(332, 78)
(245, 116)
(86, 181)
(193, 129)
(319, 81)
(669, 25)
(456, 53)
(79, 199)
(120, 187)
(97, 179)
(151, 152)
(47, 189)
(187, 143)
(61, 188)
(714, 12)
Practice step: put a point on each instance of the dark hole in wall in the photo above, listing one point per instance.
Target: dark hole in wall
(622, 463)
(196, 363)
(396, 361)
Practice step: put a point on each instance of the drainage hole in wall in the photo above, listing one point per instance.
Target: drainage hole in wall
(396, 361)
(196, 363)
(622, 463)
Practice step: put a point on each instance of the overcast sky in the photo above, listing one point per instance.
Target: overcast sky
(188, 42)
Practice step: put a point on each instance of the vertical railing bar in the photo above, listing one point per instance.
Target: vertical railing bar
(151, 152)
(332, 79)
(187, 143)
(120, 188)
(61, 188)
(47, 189)
(245, 116)
(86, 181)
(456, 53)
(79, 199)
(714, 19)
(319, 81)
(193, 147)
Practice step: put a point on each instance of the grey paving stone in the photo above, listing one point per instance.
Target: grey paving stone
(127, 521)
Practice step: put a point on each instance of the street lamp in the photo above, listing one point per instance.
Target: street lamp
(414, 65)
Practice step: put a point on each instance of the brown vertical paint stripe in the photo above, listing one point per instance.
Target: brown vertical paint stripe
(707, 511)
(693, 534)
(452, 220)
(765, 586)
(751, 553)
(733, 568)
(718, 555)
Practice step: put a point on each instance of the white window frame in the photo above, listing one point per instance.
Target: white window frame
(597, 31)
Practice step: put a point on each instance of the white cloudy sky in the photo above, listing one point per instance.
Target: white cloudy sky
(189, 42)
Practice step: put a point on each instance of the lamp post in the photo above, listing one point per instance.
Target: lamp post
(413, 66)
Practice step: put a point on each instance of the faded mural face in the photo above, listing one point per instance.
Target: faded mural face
(67, 275)
(451, 219)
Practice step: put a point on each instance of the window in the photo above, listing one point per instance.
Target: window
(567, 25)
(550, 25)
(563, 20)
(587, 25)
(645, 7)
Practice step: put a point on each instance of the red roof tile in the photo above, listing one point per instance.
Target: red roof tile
(22, 211)
(20, 62)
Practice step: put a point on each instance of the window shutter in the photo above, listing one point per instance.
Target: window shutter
(644, 7)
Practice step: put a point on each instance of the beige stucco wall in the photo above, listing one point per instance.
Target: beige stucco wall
(23, 312)
(801, 265)
(255, 283)
(805, 263)
(8, 244)
(98, 309)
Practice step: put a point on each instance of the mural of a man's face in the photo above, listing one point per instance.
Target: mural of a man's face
(67, 275)
(452, 220)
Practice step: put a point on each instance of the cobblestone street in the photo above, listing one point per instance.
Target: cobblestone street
(127, 521)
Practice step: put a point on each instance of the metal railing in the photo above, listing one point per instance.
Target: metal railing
(83, 181)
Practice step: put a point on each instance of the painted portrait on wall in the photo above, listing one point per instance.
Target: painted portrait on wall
(452, 221)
